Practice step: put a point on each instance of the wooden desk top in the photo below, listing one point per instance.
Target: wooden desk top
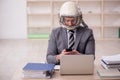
(18, 76)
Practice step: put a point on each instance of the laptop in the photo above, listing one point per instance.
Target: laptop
(77, 64)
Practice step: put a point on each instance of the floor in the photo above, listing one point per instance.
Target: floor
(16, 52)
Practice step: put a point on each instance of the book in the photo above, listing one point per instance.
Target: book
(109, 66)
(109, 73)
(113, 59)
(38, 70)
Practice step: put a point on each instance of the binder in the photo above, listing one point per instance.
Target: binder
(38, 70)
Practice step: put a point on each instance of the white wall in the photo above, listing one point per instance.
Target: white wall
(13, 19)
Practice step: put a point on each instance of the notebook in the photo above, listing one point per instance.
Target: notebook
(77, 64)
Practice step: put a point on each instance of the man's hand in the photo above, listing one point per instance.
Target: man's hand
(74, 52)
(64, 52)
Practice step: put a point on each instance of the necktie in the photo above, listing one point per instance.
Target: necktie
(71, 39)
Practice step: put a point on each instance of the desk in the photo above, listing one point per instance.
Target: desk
(18, 75)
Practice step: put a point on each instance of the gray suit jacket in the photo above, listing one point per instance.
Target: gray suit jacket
(58, 41)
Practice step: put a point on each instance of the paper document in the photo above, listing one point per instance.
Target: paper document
(57, 67)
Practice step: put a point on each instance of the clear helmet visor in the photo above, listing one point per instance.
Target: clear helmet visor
(70, 22)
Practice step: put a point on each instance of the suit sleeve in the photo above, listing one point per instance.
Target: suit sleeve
(52, 49)
(90, 44)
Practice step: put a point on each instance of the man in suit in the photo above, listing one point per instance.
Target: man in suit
(73, 37)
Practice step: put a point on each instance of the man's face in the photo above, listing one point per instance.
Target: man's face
(69, 21)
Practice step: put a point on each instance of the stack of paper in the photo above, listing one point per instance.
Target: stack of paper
(109, 62)
(57, 67)
(38, 70)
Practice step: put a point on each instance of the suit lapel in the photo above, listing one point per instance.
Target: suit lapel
(78, 37)
(65, 38)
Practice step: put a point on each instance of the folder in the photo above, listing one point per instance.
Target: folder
(38, 70)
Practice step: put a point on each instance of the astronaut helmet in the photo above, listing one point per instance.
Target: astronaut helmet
(70, 10)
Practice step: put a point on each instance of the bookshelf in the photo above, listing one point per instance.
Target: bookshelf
(39, 18)
(103, 16)
(111, 19)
